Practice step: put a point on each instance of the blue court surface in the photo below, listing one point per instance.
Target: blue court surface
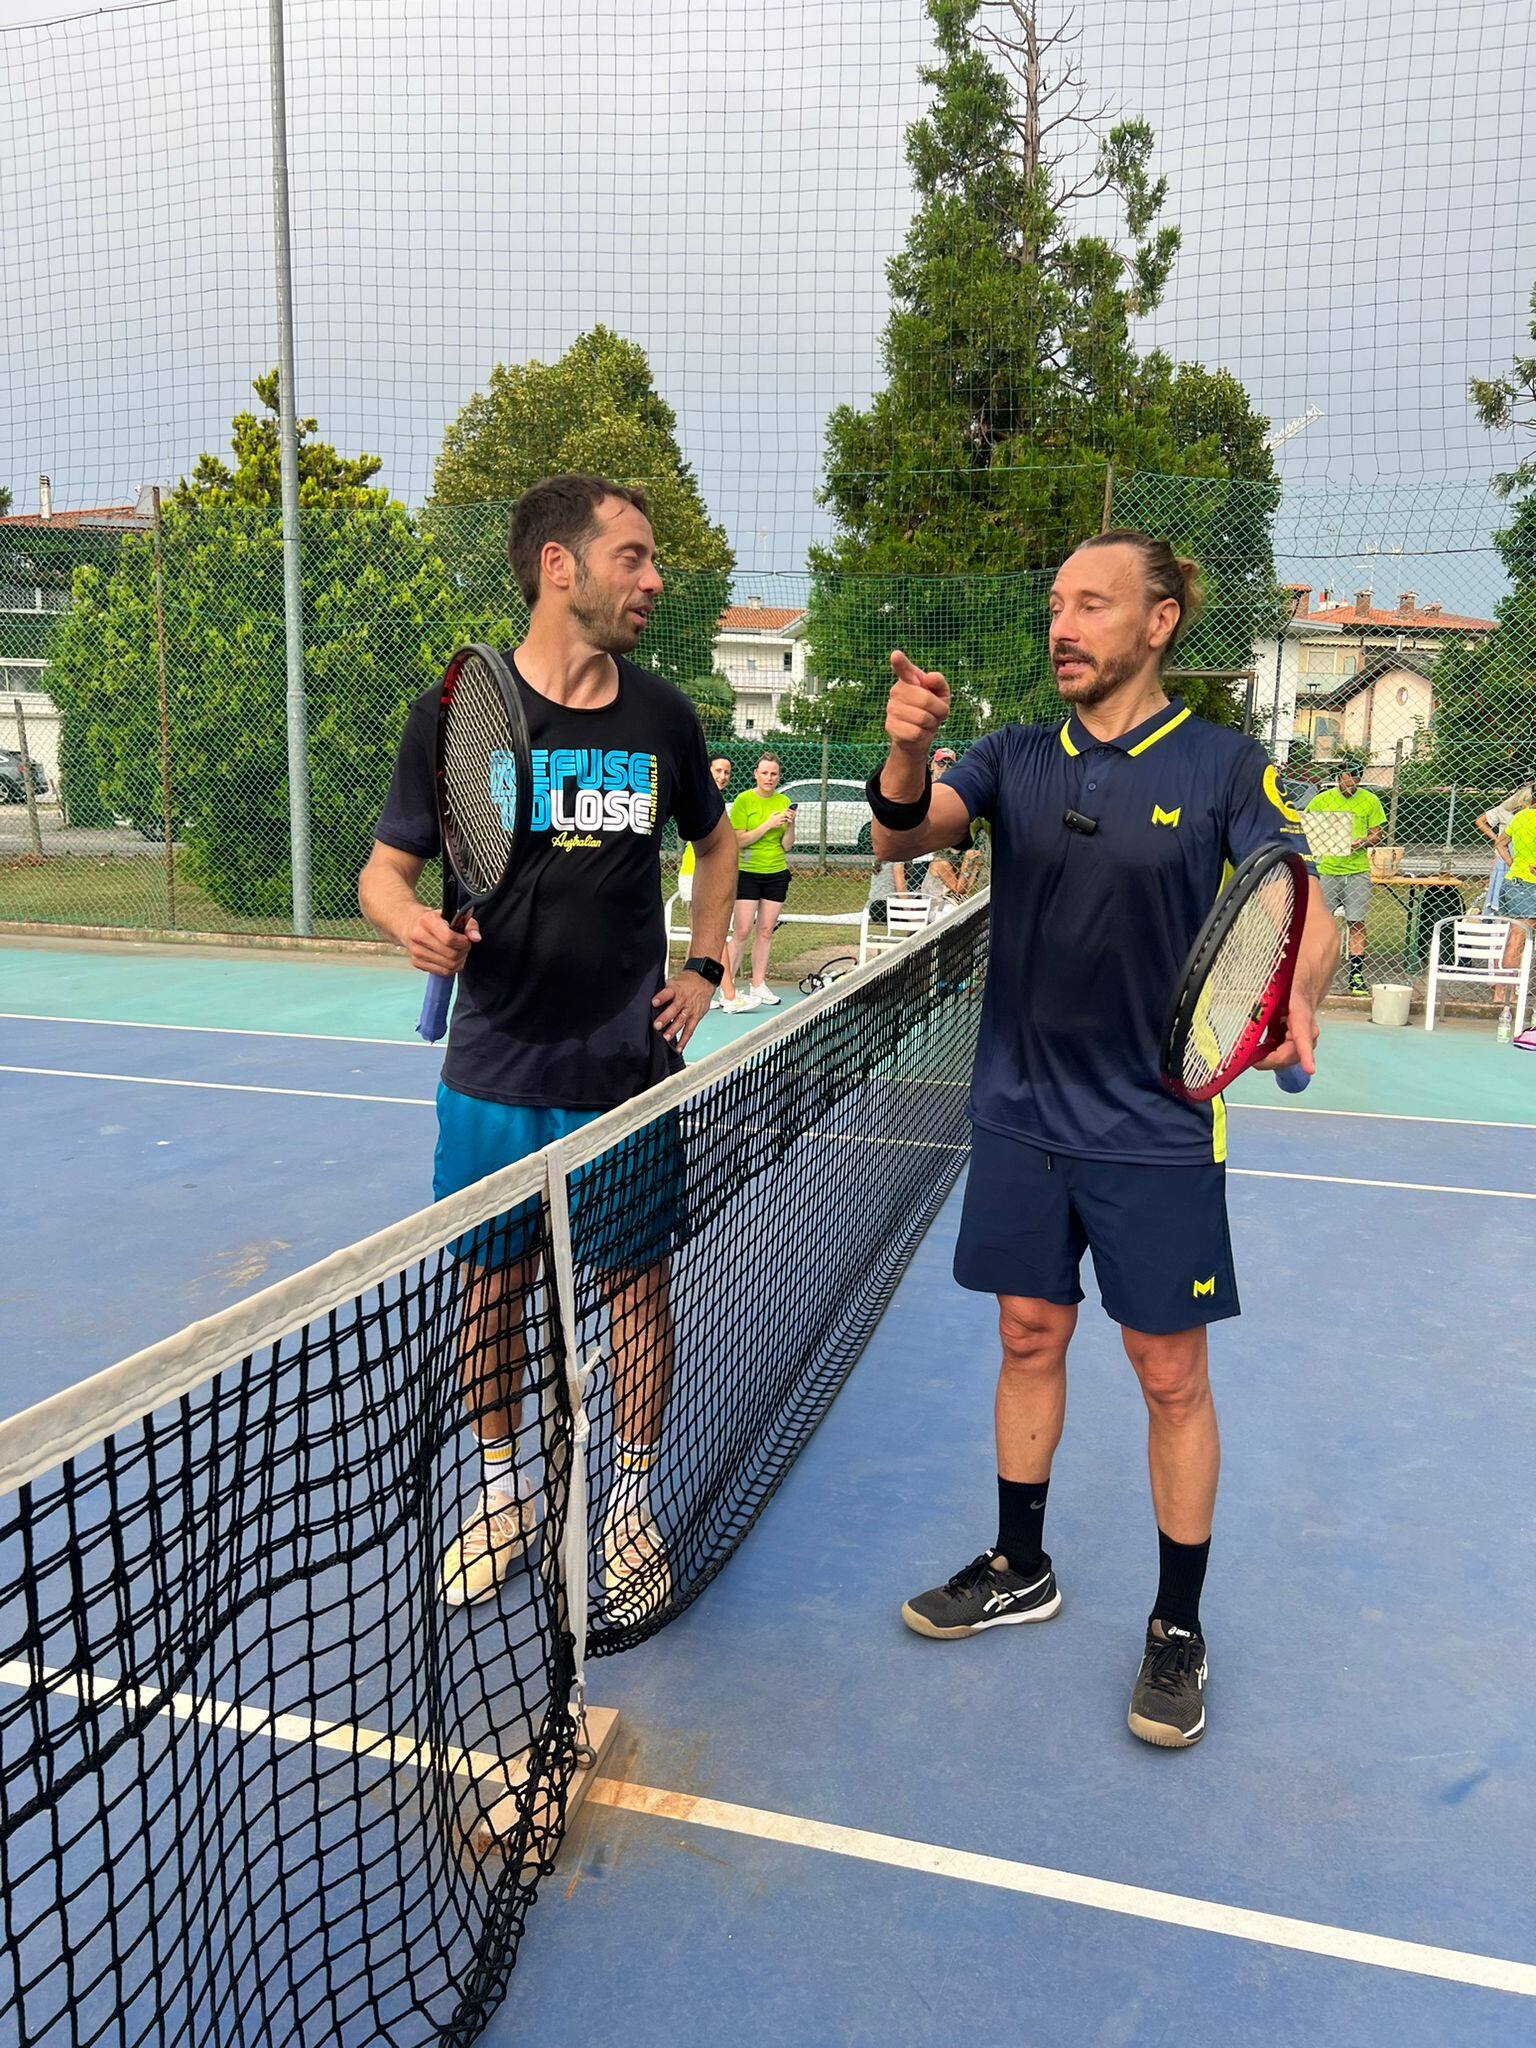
(818, 1828)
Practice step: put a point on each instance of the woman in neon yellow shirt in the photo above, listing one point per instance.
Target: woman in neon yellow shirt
(1517, 897)
(764, 821)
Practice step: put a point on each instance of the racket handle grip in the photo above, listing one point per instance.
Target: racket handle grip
(1293, 1079)
(433, 1021)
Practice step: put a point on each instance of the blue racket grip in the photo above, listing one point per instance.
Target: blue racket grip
(433, 1021)
(1293, 1079)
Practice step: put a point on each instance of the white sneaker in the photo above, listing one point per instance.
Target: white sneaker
(637, 1579)
(734, 1005)
(763, 997)
(495, 1534)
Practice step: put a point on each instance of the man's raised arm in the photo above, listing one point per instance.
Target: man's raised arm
(911, 814)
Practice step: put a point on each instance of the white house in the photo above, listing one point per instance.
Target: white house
(760, 650)
(1302, 678)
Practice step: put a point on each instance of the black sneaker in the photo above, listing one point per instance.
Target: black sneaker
(1168, 1703)
(984, 1595)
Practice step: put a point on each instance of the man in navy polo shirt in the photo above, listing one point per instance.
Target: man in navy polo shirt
(1110, 834)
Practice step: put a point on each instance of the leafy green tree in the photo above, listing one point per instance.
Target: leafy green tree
(597, 410)
(1012, 380)
(379, 622)
(715, 701)
(1484, 729)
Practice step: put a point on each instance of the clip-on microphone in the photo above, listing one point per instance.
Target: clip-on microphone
(1076, 822)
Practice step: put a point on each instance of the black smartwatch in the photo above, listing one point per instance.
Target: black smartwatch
(713, 971)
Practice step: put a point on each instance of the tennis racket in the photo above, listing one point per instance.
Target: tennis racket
(1230, 1004)
(483, 784)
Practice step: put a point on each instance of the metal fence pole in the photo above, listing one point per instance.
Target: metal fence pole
(826, 748)
(1397, 770)
(165, 721)
(288, 432)
(26, 781)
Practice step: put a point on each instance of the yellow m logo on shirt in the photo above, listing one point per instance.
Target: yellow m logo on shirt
(1162, 817)
(1206, 1286)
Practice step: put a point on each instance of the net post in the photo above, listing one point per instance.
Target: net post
(572, 1560)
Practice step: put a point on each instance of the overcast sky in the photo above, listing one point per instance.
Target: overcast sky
(723, 181)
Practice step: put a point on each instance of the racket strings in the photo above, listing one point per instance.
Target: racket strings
(1232, 999)
(479, 777)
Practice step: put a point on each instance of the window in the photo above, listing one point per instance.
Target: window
(1318, 660)
(789, 658)
(752, 663)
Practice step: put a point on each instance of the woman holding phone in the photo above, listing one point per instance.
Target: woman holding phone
(764, 822)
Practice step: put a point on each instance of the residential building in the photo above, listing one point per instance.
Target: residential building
(760, 650)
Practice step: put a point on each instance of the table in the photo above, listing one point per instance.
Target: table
(1467, 889)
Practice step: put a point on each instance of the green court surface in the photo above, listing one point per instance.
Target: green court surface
(216, 988)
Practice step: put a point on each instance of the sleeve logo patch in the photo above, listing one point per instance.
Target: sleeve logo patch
(1272, 791)
(1162, 817)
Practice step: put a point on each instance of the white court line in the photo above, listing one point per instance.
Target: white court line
(1383, 1116)
(225, 1087)
(1033, 1880)
(210, 1030)
(1416, 1187)
(1171, 1909)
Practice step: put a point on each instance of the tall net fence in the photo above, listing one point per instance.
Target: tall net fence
(886, 304)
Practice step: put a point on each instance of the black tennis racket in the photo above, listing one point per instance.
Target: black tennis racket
(1230, 1005)
(484, 789)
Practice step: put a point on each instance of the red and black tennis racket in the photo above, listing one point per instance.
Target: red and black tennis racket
(1229, 1008)
(484, 791)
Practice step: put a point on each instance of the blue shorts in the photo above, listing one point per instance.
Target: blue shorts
(628, 1206)
(1162, 1253)
(1517, 899)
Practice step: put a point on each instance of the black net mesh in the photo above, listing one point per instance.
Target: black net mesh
(267, 1773)
(259, 1780)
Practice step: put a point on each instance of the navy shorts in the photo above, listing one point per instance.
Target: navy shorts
(1161, 1249)
(628, 1206)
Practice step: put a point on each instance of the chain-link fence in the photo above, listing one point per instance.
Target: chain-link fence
(154, 792)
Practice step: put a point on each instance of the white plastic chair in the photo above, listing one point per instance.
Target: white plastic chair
(1477, 953)
(905, 917)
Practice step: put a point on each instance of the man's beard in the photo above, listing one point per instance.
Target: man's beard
(608, 628)
(1099, 682)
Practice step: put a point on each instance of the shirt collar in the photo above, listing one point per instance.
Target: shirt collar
(1076, 738)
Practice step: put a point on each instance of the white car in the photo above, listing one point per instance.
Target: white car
(847, 815)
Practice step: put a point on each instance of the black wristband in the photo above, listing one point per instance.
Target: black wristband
(898, 817)
(713, 971)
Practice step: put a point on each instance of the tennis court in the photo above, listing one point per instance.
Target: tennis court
(814, 1826)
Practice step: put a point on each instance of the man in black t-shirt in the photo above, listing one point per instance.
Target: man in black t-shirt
(564, 1007)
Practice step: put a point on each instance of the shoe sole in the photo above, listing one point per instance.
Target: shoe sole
(921, 1626)
(1161, 1735)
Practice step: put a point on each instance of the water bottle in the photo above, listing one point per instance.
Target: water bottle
(1506, 1025)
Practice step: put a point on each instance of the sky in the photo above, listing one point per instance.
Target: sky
(724, 182)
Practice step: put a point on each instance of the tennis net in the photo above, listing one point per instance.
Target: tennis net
(263, 1778)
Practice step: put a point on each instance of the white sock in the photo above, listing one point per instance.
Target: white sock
(498, 1459)
(631, 1468)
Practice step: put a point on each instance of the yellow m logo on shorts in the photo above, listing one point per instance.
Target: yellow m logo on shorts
(1206, 1286)
(1162, 817)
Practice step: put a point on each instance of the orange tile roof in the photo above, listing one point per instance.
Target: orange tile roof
(1440, 622)
(758, 618)
(102, 515)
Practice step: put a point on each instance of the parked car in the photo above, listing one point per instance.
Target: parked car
(13, 789)
(847, 815)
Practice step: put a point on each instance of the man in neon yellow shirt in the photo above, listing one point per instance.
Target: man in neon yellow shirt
(725, 996)
(1517, 898)
(1346, 877)
(764, 821)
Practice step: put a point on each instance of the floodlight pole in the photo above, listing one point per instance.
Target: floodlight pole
(288, 438)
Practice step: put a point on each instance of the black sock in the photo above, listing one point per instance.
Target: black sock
(1021, 1522)
(1180, 1575)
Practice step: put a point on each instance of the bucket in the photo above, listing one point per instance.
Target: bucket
(1389, 1002)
